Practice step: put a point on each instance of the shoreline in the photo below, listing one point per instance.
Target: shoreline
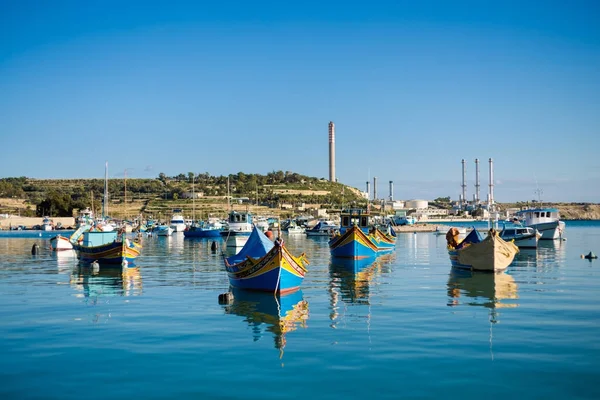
(29, 222)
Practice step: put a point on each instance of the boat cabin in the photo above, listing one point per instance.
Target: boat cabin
(92, 239)
(355, 217)
(538, 215)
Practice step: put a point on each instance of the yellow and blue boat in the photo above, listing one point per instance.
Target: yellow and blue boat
(358, 238)
(106, 247)
(265, 266)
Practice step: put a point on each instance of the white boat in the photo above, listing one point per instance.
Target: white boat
(262, 223)
(295, 230)
(236, 240)
(47, 224)
(522, 236)
(59, 243)
(238, 223)
(323, 228)
(85, 217)
(545, 220)
(404, 220)
(164, 230)
(177, 221)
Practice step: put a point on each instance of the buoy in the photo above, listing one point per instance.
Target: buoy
(95, 265)
(226, 298)
(590, 256)
(35, 249)
(269, 234)
(213, 246)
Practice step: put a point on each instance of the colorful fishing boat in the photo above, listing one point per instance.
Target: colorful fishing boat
(265, 266)
(475, 253)
(106, 248)
(278, 315)
(359, 238)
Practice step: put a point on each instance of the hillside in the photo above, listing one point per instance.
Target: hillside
(277, 193)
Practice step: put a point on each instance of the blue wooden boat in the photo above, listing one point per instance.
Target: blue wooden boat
(359, 238)
(265, 266)
(106, 247)
(204, 230)
(264, 312)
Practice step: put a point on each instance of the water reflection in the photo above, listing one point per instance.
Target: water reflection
(477, 288)
(106, 281)
(351, 281)
(265, 312)
(66, 260)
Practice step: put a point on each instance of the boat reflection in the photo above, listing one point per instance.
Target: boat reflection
(265, 312)
(480, 288)
(351, 281)
(66, 260)
(106, 282)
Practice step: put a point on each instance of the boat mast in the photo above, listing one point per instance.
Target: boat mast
(493, 220)
(193, 201)
(228, 197)
(105, 200)
(125, 194)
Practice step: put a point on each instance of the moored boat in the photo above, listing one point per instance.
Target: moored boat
(177, 221)
(265, 266)
(545, 220)
(163, 230)
(106, 247)
(476, 253)
(204, 229)
(323, 228)
(522, 236)
(47, 224)
(359, 238)
(58, 243)
(239, 227)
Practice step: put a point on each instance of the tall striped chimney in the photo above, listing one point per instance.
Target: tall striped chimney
(331, 151)
(391, 190)
(368, 190)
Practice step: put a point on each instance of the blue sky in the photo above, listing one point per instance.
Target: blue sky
(228, 86)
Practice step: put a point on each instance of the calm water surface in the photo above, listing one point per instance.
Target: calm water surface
(406, 325)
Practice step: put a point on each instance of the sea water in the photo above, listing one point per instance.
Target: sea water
(403, 326)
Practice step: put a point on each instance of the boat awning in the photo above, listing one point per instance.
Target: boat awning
(257, 246)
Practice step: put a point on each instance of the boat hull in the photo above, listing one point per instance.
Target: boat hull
(178, 227)
(58, 243)
(202, 233)
(110, 253)
(168, 231)
(529, 241)
(550, 230)
(492, 254)
(278, 271)
(355, 244)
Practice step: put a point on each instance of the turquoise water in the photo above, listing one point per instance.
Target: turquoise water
(406, 326)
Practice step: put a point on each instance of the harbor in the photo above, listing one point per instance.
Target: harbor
(405, 312)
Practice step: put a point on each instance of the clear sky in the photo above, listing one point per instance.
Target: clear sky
(227, 86)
